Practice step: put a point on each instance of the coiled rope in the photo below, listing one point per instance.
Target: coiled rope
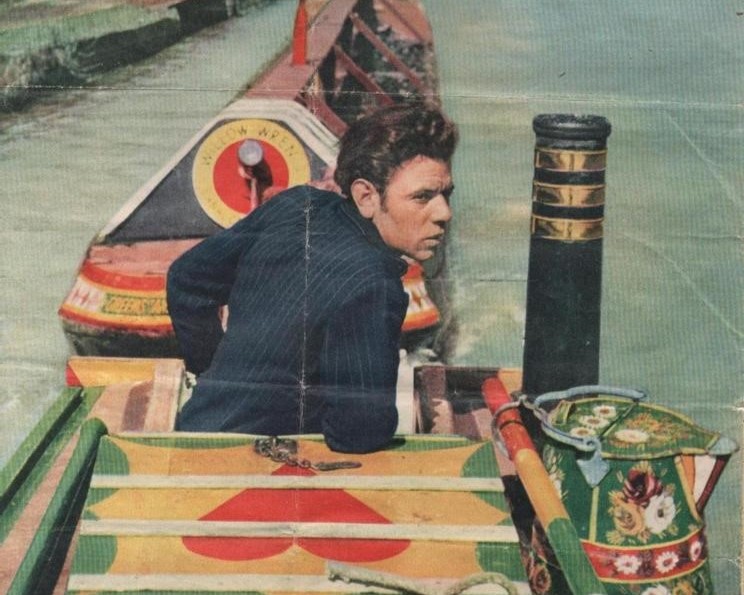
(372, 578)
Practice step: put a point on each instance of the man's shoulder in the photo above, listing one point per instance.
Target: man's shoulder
(289, 205)
(300, 197)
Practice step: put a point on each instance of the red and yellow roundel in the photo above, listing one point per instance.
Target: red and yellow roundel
(218, 186)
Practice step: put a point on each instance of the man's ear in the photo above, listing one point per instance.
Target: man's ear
(366, 197)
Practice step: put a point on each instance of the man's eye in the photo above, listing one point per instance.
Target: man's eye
(428, 195)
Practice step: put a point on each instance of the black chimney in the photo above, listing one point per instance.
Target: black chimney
(564, 281)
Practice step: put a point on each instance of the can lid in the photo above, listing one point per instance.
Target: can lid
(632, 430)
(572, 127)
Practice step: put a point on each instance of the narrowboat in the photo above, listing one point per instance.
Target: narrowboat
(501, 480)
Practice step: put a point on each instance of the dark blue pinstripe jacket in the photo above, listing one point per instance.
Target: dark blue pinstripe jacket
(315, 305)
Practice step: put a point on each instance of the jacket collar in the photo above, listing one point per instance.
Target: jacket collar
(369, 231)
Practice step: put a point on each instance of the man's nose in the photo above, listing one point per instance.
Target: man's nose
(441, 211)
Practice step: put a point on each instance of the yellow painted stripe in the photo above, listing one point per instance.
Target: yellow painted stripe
(101, 371)
(542, 492)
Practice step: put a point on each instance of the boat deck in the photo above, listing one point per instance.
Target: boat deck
(184, 512)
(207, 512)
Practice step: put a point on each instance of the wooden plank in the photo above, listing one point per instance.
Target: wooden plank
(295, 482)
(102, 371)
(147, 401)
(364, 79)
(19, 466)
(226, 583)
(449, 533)
(163, 406)
(389, 55)
(407, 15)
(314, 101)
(49, 541)
(18, 540)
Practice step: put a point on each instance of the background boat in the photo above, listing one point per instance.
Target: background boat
(346, 59)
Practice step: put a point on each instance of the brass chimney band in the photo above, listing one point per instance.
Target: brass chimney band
(567, 230)
(563, 160)
(571, 196)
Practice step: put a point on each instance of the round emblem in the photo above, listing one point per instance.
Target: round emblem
(219, 177)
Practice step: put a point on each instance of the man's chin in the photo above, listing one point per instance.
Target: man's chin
(422, 255)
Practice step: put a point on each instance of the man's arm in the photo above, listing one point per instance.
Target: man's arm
(198, 284)
(359, 369)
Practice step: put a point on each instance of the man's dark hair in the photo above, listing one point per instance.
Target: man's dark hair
(376, 145)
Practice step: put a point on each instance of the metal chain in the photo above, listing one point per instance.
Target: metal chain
(284, 450)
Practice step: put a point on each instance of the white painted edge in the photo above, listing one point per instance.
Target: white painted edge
(704, 465)
(317, 137)
(225, 583)
(316, 482)
(161, 528)
(249, 438)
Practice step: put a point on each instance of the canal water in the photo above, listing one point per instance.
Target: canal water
(668, 77)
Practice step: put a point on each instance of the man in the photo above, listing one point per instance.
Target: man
(312, 281)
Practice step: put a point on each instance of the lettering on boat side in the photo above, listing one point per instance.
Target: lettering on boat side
(132, 305)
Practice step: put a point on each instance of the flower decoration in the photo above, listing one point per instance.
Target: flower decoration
(582, 432)
(657, 590)
(659, 513)
(641, 485)
(552, 466)
(627, 517)
(696, 550)
(627, 564)
(666, 562)
(605, 411)
(594, 421)
(632, 436)
(643, 508)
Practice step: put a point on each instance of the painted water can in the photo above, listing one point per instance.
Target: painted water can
(634, 478)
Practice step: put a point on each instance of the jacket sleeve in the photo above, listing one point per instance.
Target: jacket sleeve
(198, 284)
(359, 369)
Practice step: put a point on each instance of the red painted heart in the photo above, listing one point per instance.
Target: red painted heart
(295, 506)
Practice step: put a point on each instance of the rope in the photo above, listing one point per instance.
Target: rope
(372, 578)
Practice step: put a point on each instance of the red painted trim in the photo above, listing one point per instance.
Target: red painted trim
(378, 93)
(299, 37)
(116, 280)
(418, 321)
(132, 325)
(389, 55)
(509, 421)
(71, 378)
(642, 564)
(406, 23)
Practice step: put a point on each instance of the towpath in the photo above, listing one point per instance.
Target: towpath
(24, 13)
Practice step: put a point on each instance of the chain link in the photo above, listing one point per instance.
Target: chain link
(284, 450)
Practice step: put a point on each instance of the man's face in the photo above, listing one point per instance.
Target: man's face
(412, 215)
